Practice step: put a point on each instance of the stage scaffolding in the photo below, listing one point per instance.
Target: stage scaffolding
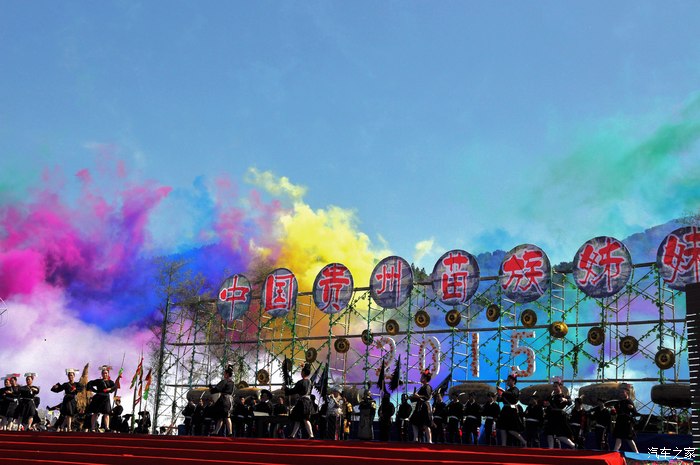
(198, 344)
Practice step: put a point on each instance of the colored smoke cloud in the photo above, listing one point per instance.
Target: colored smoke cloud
(44, 336)
(79, 257)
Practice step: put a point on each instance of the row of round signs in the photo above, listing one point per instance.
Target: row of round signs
(601, 268)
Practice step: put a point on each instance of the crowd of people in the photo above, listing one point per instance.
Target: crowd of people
(555, 421)
(421, 416)
(19, 406)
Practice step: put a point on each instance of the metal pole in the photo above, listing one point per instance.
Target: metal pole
(161, 361)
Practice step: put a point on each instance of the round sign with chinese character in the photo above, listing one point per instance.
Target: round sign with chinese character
(391, 282)
(678, 258)
(234, 297)
(602, 267)
(279, 294)
(525, 273)
(333, 288)
(455, 277)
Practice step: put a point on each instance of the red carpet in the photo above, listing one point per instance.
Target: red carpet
(102, 449)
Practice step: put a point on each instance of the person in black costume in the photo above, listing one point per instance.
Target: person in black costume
(222, 407)
(422, 417)
(100, 403)
(8, 402)
(556, 425)
(601, 417)
(280, 409)
(577, 423)
(69, 405)
(209, 415)
(265, 404)
(386, 411)
(534, 418)
(116, 415)
(26, 409)
(472, 420)
(301, 413)
(439, 419)
(455, 412)
(491, 411)
(198, 418)
(188, 412)
(509, 421)
(402, 417)
(239, 414)
(143, 424)
(624, 423)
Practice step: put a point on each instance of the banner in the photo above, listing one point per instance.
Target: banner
(333, 288)
(525, 273)
(279, 292)
(602, 267)
(678, 258)
(455, 277)
(234, 299)
(391, 282)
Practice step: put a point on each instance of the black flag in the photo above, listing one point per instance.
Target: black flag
(442, 387)
(381, 382)
(396, 376)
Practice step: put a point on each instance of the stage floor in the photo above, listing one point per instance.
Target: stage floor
(112, 449)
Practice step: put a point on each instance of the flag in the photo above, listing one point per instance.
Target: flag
(117, 382)
(322, 385)
(396, 376)
(315, 378)
(442, 387)
(139, 373)
(381, 382)
(148, 385)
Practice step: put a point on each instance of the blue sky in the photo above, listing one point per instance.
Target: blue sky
(479, 125)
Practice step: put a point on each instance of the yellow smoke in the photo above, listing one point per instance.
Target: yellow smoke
(310, 239)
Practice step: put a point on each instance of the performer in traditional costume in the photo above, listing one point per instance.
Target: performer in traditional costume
(334, 415)
(10, 394)
(472, 420)
(601, 417)
(402, 416)
(26, 409)
(222, 407)
(4, 401)
(491, 411)
(301, 413)
(280, 409)
(100, 403)
(386, 412)
(455, 412)
(422, 417)
(534, 418)
(624, 423)
(509, 421)
(116, 422)
(556, 425)
(439, 418)
(577, 423)
(69, 405)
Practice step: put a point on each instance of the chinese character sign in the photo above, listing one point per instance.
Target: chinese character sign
(391, 282)
(455, 277)
(234, 297)
(678, 257)
(525, 273)
(279, 292)
(602, 267)
(333, 288)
